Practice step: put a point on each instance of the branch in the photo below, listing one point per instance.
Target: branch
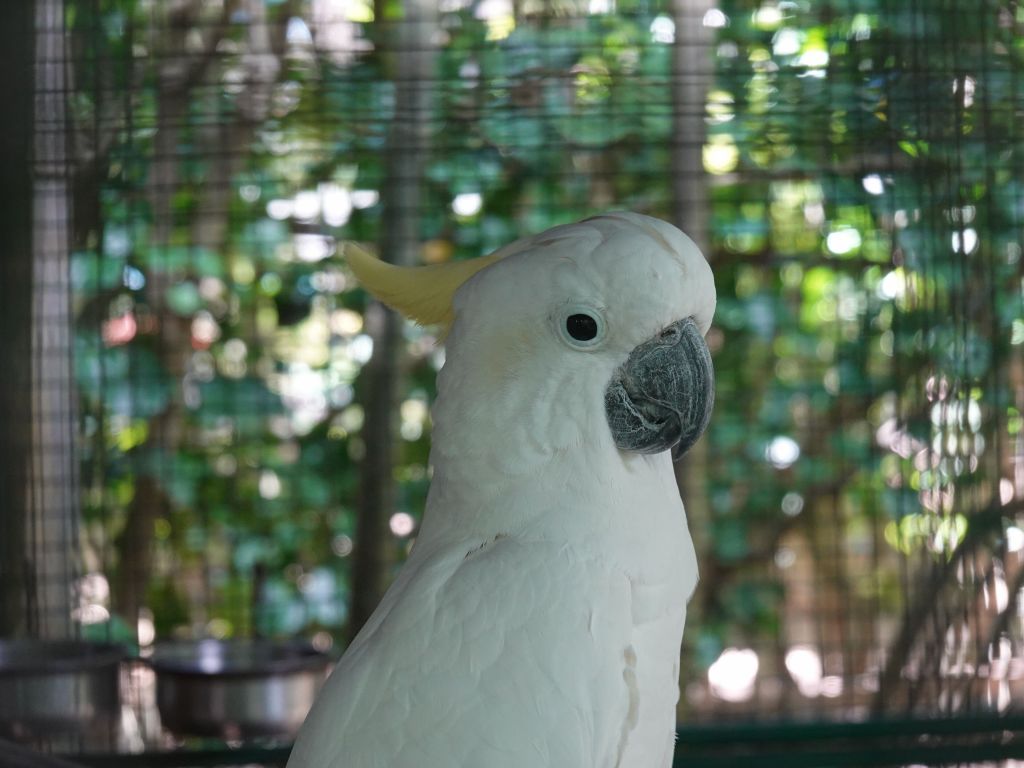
(980, 525)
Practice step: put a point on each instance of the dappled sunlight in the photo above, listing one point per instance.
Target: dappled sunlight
(857, 502)
(732, 676)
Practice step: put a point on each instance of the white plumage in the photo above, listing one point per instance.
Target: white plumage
(538, 619)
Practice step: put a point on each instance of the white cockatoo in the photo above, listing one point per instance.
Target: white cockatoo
(538, 619)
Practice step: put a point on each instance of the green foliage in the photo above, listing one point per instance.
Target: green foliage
(865, 206)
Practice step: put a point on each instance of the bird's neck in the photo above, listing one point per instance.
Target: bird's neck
(497, 427)
(623, 508)
(529, 454)
(542, 463)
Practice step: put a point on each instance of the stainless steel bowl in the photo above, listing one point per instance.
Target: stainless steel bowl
(236, 689)
(48, 687)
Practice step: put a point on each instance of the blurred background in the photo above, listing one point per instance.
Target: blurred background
(211, 433)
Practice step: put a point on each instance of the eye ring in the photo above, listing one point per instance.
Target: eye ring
(581, 326)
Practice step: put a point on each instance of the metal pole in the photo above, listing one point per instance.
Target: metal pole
(52, 545)
(16, 54)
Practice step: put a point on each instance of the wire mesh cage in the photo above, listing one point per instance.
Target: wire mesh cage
(224, 439)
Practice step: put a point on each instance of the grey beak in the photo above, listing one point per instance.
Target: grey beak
(662, 396)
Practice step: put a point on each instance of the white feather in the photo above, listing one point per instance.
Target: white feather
(538, 619)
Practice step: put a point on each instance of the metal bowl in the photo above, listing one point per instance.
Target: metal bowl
(57, 686)
(236, 689)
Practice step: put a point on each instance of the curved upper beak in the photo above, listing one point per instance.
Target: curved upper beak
(662, 396)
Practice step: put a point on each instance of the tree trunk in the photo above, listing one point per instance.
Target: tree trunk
(17, 46)
(411, 45)
(692, 72)
(228, 140)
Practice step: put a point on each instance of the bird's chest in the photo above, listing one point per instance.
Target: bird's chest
(652, 545)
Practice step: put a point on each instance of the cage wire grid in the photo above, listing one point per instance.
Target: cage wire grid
(852, 170)
(39, 516)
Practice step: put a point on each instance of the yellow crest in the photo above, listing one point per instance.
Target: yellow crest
(423, 294)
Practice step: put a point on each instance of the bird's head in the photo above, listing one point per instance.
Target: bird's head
(606, 316)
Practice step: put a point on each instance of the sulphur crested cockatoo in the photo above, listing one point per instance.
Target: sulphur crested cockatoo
(538, 619)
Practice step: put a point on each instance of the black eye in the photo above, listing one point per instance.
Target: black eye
(581, 327)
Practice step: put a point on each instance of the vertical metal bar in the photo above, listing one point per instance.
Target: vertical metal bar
(53, 483)
(16, 56)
